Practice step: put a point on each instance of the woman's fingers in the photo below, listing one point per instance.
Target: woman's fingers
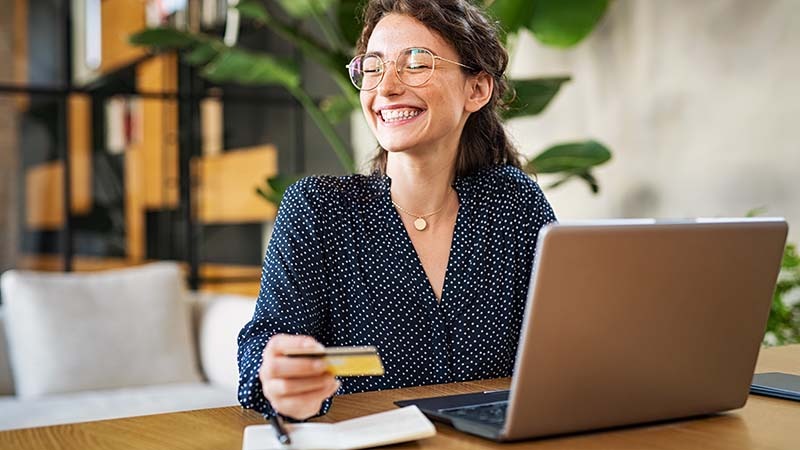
(295, 387)
(283, 387)
(303, 406)
(334, 386)
(275, 365)
(284, 367)
(280, 343)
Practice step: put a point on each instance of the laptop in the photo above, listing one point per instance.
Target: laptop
(629, 322)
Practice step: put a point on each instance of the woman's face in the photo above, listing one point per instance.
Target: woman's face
(434, 113)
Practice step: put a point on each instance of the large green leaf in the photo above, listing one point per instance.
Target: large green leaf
(348, 17)
(590, 180)
(240, 66)
(201, 54)
(512, 14)
(275, 187)
(253, 9)
(564, 23)
(164, 38)
(574, 158)
(301, 9)
(200, 49)
(533, 95)
(331, 59)
(336, 108)
(586, 176)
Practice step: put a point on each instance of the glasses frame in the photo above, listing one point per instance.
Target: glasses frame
(396, 70)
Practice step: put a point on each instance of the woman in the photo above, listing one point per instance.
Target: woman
(429, 258)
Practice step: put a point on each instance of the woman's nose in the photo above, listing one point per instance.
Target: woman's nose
(390, 84)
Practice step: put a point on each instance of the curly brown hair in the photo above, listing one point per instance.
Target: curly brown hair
(467, 28)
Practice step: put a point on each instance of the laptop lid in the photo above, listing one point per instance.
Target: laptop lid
(639, 321)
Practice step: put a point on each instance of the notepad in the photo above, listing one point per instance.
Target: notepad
(390, 427)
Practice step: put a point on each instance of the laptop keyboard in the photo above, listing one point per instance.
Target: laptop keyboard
(489, 413)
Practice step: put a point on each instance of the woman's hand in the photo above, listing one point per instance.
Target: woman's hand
(296, 387)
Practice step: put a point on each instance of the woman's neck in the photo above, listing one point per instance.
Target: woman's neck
(420, 185)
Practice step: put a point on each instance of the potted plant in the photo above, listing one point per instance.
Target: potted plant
(556, 23)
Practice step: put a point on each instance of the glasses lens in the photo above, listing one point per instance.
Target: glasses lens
(415, 66)
(366, 71)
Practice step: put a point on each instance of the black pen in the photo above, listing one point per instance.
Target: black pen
(280, 430)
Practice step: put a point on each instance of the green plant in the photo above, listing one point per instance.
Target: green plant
(783, 325)
(559, 23)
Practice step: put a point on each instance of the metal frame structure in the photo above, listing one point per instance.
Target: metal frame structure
(188, 99)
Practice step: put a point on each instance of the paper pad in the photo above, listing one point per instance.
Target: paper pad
(390, 427)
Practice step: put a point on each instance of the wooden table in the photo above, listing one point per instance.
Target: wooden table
(764, 423)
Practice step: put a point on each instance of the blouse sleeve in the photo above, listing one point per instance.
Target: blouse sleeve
(292, 296)
(537, 212)
(542, 212)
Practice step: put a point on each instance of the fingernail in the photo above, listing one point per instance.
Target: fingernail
(320, 365)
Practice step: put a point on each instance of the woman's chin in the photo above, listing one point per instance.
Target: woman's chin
(395, 147)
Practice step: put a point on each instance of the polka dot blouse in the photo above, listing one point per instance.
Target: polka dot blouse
(341, 267)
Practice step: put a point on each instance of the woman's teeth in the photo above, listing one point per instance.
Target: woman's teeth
(393, 115)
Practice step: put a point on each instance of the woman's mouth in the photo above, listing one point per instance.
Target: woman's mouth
(399, 115)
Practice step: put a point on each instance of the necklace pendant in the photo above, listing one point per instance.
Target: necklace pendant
(420, 224)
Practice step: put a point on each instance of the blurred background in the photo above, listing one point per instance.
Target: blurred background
(161, 164)
(139, 131)
(698, 101)
(112, 155)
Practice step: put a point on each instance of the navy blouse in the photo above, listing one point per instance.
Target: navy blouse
(341, 267)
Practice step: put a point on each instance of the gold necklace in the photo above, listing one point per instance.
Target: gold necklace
(420, 223)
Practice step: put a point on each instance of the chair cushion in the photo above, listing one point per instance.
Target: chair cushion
(121, 328)
(111, 404)
(6, 378)
(223, 318)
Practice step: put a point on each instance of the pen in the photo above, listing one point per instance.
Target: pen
(280, 430)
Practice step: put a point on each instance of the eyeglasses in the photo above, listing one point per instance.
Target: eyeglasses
(414, 67)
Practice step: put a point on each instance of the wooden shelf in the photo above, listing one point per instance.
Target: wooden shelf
(44, 183)
(223, 183)
(20, 50)
(44, 203)
(120, 19)
(227, 185)
(79, 122)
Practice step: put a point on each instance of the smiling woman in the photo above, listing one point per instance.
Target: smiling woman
(428, 258)
(475, 41)
(433, 105)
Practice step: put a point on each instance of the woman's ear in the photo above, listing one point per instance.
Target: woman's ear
(479, 91)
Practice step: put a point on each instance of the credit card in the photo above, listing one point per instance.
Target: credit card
(345, 361)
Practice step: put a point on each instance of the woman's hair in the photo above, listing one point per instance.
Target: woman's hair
(484, 142)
